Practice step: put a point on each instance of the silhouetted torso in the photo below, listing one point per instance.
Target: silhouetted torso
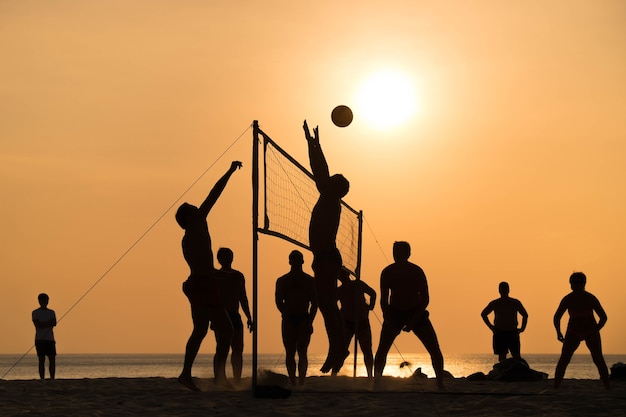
(231, 283)
(196, 245)
(407, 286)
(324, 223)
(351, 295)
(580, 305)
(506, 309)
(294, 292)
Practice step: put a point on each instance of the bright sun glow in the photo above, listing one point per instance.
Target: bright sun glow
(386, 99)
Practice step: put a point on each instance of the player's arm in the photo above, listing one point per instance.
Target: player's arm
(485, 316)
(372, 294)
(312, 300)
(424, 294)
(217, 189)
(319, 166)
(557, 318)
(243, 301)
(602, 317)
(423, 301)
(384, 293)
(279, 296)
(522, 311)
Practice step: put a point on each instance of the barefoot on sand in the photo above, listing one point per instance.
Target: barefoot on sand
(188, 383)
(223, 384)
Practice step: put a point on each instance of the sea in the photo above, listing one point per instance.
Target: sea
(78, 366)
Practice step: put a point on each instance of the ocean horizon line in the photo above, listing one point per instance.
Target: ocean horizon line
(129, 365)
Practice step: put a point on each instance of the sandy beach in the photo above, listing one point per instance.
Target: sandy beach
(328, 396)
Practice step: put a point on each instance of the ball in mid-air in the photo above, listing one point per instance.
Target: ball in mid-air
(341, 116)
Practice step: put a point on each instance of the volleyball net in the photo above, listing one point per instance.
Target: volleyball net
(289, 195)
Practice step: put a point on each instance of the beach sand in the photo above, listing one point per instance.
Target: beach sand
(320, 396)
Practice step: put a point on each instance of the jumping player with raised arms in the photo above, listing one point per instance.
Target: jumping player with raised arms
(326, 257)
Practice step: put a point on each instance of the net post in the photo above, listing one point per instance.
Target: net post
(255, 247)
(359, 246)
(357, 274)
(303, 177)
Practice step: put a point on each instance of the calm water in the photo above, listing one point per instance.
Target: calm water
(73, 366)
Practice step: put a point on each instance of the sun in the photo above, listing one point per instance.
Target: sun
(386, 99)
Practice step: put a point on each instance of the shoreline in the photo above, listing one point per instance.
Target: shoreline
(330, 396)
(70, 366)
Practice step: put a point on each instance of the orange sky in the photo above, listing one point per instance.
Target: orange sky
(514, 167)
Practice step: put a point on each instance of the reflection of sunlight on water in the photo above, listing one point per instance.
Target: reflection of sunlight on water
(412, 362)
(457, 365)
(393, 367)
(463, 365)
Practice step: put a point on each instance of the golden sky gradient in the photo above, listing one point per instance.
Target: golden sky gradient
(513, 166)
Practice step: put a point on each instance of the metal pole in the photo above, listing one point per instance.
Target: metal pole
(255, 252)
(356, 294)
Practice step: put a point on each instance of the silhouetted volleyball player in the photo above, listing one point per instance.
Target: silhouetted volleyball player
(582, 325)
(201, 288)
(326, 257)
(355, 312)
(297, 302)
(232, 284)
(505, 331)
(404, 298)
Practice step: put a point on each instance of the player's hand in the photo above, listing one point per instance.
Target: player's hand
(235, 165)
(410, 325)
(250, 326)
(307, 133)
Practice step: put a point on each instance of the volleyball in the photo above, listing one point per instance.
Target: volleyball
(341, 116)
